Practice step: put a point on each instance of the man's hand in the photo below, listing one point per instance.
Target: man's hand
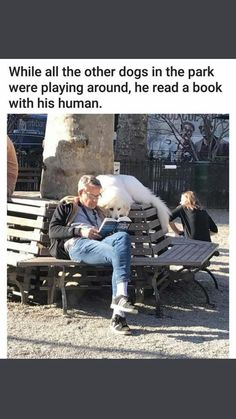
(90, 233)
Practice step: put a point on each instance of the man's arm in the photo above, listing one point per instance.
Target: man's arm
(57, 227)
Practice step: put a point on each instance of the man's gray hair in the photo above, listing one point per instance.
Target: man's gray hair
(88, 180)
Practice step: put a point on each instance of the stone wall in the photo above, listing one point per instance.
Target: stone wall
(75, 145)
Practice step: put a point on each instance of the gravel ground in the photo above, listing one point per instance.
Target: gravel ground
(188, 328)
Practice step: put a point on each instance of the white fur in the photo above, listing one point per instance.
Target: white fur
(120, 191)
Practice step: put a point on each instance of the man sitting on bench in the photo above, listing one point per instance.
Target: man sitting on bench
(74, 235)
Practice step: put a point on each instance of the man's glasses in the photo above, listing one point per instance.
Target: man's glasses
(91, 196)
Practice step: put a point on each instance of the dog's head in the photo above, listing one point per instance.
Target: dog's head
(115, 202)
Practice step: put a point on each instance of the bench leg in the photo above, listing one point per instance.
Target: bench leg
(26, 285)
(139, 295)
(213, 277)
(51, 285)
(203, 289)
(192, 276)
(61, 283)
(13, 279)
(157, 295)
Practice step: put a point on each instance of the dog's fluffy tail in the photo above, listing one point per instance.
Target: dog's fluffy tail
(163, 212)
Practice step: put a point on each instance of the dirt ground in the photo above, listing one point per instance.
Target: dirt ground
(188, 329)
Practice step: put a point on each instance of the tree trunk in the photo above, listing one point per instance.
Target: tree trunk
(75, 145)
(131, 141)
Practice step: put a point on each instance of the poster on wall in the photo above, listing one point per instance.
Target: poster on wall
(188, 137)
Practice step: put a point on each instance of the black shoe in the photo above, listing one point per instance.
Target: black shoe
(121, 302)
(119, 326)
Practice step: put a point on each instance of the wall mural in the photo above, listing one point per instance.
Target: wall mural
(188, 137)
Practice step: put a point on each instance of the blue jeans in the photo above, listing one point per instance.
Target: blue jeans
(114, 250)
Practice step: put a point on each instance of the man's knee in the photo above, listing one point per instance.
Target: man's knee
(124, 237)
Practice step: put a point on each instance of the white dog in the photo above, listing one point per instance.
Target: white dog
(119, 192)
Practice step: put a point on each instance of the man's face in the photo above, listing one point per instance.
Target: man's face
(187, 132)
(89, 196)
(205, 130)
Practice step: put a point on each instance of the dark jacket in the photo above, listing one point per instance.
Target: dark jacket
(60, 231)
(197, 223)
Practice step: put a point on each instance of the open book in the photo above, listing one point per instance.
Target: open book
(111, 225)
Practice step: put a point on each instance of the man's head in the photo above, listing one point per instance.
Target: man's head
(187, 129)
(206, 130)
(89, 190)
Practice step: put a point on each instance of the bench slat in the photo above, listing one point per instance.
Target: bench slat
(46, 261)
(25, 209)
(36, 235)
(24, 234)
(23, 247)
(143, 214)
(146, 237)
(45, 203)
(153, 224)
(135, 207)
(20, 221)
(161, 246)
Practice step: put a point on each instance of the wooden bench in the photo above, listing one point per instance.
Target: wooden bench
(153, 254)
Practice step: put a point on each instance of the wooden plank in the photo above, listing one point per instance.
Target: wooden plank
(26, 209)
(185, 240)
(141, 207)
(144, 261)
(205, 253)
(190, 253)
(22, 221)
(35, 201)
(154, 236)
(143, 213)
(27, 195)
(141, 251)
(47, 261)
(160, 246)
(180, 252)
(23, 234)
(153, 224)
(138, 226)
(140, 239)
(23, 247)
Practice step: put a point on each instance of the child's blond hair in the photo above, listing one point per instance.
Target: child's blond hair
(189, 200)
